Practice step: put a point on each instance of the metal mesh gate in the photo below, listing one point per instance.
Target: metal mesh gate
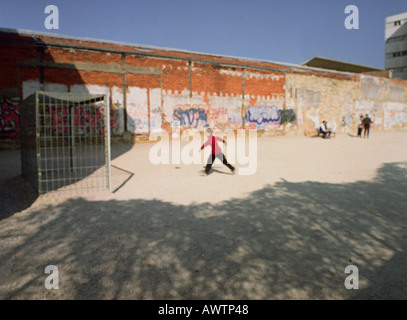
(65, 142)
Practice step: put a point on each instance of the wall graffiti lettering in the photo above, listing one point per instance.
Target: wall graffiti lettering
(193, 116)
(261, 115)
(287, 116)
(235, 119)
(59, 119)
(85, 119)
(137, 118)
(89, 120)
(347, 120)
(396, 117)
(138, 125)
(9, 118)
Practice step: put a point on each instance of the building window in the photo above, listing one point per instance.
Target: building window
(397, 23)
(396, 54)
(399, 70)
(396, 39)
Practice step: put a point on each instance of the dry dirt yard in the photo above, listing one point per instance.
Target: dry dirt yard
(312, 208)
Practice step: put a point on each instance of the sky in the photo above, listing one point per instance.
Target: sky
(290, 31)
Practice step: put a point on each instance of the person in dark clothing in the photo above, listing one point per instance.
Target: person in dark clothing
(360, 126)
(216, 152)
(323, 129)
(366, 125)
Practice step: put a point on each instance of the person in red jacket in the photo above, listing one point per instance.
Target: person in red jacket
(216, 151)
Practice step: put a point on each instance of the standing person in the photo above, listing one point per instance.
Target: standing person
(366, 125)
(216, 151)
(360, 126)
(323, 128)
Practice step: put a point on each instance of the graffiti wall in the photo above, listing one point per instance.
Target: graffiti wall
(117, 105)
(83, 119)
(180, 110)
(9, 119)
(203, 116)
(342, 101)
(395, 115)
(225, 111)
(263, 115)
(200, 111)
(288, 116)
(155, 109)
(114, 96)
(143, 110)
(269, 116)
(348, 116)
(191, 116)
(307, 101)
(137, 110)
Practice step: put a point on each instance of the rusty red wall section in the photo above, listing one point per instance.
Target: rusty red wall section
(149, 88)
(145, 86)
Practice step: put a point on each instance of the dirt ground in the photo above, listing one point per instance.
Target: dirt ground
(312, 208)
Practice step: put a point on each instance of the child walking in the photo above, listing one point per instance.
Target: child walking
(360, 127)
(216, 151)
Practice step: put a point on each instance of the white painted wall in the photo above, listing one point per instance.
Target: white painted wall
(155, 110)
(137, 110)
(32, 86)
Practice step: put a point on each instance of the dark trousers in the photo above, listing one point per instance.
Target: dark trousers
(221, 157)
(325, 133)
(366, 132)
(360, 132)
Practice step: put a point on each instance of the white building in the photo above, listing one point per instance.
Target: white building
(396, 45)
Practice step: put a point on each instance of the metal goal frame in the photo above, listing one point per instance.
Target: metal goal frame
(65, 142)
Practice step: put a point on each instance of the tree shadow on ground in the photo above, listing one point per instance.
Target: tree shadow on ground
(16, 194)
(286, 241)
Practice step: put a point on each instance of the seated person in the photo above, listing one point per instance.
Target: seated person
(324, 129)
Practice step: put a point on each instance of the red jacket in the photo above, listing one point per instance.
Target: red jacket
(213, 141)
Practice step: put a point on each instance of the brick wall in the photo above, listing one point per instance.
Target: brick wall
(341, 100)
(151, 89)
